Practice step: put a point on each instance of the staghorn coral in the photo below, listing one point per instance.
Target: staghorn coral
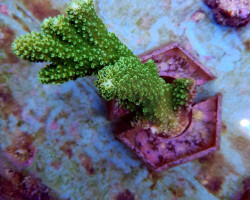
(139, 88)
(79, 44)
(76, 45)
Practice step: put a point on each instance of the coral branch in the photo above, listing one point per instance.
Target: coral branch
(139, 88)
(77, 45)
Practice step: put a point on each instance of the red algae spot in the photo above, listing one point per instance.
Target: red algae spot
(40, 8)
(145, 22)
(21, 149)
(181, 181)
(7, 36)
(244, 191)
(207, 58)
(39, 136)
(25, 27)
(154, 178)
(8, 104)
(125, 195)
(198, 15)
(4, 9)
(86, 162)
(54, 126)
(56, 164)
(223, 128)
(176, 191)
(247, 44)
(66, 148)
(213, 185)
(241, 144)
(214, 169)
(74, 130)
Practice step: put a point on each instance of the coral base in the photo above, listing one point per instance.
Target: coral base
(159, 153)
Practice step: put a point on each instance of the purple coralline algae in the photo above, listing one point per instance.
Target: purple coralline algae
(235, 13)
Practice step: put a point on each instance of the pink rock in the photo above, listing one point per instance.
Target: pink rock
(54, 126)
(4, 9)
(235, 13)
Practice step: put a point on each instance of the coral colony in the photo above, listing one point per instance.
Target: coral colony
(78, 44)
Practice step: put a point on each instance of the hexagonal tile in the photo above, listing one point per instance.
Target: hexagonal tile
(158, 153)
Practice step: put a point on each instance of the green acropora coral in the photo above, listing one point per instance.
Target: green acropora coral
(139, 88)
(75, 45)
(78, 44)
